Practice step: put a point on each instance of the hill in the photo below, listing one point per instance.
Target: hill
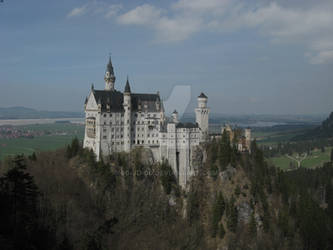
(66, 200)
(324, 131)
(29, 113)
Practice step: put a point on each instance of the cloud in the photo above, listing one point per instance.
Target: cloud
(113, 10)
(95, 8)
(79, 11)
(281, 21)
(321, 57)
(142, 15)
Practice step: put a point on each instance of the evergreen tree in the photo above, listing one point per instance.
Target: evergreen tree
(217, 213)
(225, 150)
(221, 231)
(19, 212)
(167, 177)
(193, 212)
(253, 225)
(237, 190)
(214, 171)
(332, 155)
(220, 204)
(75, 146)
(232, 219)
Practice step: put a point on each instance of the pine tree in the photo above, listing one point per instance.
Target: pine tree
(221, 231)
(225, 150)
(332, 155)
(220, 204)
(253, 225)
(217, 213)
(214, 171)
(237, 190)
(167, 177)
(232, 219)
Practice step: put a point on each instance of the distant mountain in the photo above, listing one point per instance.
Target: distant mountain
(29, 113)
(325, 130)
(259, 120)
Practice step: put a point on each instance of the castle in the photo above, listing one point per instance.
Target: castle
(120, 121)
(241, 138)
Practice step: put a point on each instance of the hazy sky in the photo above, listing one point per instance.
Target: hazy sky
(272, 57)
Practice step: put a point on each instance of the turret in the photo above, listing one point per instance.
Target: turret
(109, 77)
(247, 134)
(202, 114)
(127, 117)
(175, 116)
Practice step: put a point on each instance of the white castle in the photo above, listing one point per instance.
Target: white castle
(120, 121)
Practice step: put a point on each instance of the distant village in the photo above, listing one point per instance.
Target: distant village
(12, 132)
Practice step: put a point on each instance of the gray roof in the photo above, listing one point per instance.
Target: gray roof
(115, 100)
(202, 95)
(127, 87)
(187, 125)
(145, 99)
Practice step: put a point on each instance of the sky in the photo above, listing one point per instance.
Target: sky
(248, 57)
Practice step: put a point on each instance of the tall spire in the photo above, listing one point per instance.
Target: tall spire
(109, 67)
(109, 77)
(127, 87)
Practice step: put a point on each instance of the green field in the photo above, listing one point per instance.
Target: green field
(274, 137)
(316, 159)
(55, 136)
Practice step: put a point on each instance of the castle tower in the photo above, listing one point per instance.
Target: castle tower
(109, 77)
(247, 133)
(175, 117)
(127, 117)
(202, 114)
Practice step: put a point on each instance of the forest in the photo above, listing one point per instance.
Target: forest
(66, 200)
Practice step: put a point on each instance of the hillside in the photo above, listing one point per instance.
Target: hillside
(324, 131)
(128, 202)
(29, 113)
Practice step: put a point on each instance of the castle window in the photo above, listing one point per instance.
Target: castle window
(104, 123)
(143, 142)
(157, 141)
(104, 137)
(148, 142)
(104, 115)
